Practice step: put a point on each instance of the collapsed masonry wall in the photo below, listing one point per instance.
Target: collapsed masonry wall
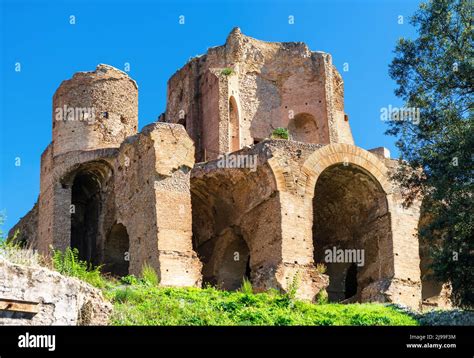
(233, 203)
(60, 300)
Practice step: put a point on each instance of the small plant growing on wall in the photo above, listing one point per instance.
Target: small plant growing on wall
(280, 133)
(227, 71)
(321, 268)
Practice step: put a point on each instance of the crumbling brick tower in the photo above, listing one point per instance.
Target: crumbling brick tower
(318, 191)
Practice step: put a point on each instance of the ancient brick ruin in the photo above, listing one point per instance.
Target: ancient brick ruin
(268, 211)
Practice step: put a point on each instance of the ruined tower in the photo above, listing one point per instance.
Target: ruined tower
(94, 110)
(92, 114)
(238, 93)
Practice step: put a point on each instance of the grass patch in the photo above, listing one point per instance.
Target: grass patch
(246, 287)
(68, 263)
(149, 276)
(13, 252)
(140, 301)
(141, 304)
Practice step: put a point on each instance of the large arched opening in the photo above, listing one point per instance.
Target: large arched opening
(231, 210)
(88, 190)
(217, 236)
(303, 128)
(351, 230)
(86, 205)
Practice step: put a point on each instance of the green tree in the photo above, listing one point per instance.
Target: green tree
(434, 73)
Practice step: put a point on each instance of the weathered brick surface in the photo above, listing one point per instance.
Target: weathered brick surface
(273, 85)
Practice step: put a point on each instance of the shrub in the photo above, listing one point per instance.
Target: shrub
(293, 286)
(149, 276)
(273, 292)
(129, 280)
(321, 297)
(280, 133)
(68, 263)
(321, 268)
(246, 287)
(227, 71)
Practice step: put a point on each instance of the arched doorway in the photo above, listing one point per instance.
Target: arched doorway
(234, 125)
(86, 205)
(303, 128)
(116, 250)
(226, 215)
(89, 190)
(351, 229)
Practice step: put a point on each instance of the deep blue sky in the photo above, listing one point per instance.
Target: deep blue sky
(148, 36)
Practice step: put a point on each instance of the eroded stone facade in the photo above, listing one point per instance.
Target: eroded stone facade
(269, 210)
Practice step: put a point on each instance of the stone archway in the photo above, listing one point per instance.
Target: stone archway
(303, 128)
(399, 275)
(338, 153)
(351, 230)
(88, 183)
(85, 211)
(232, 210)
